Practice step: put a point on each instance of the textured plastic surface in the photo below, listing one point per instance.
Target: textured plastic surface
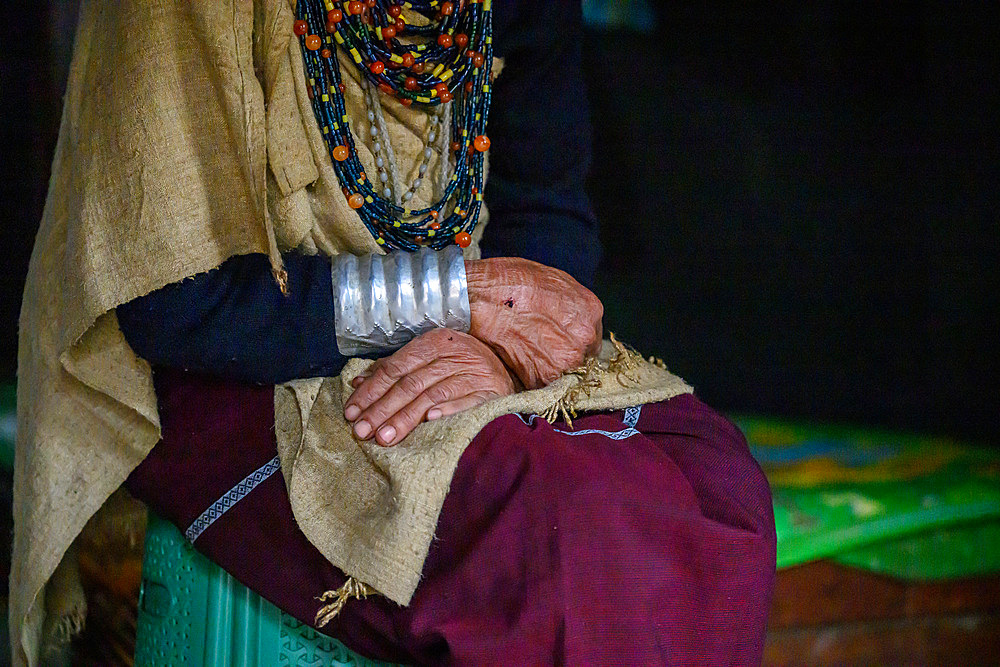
(191, 612)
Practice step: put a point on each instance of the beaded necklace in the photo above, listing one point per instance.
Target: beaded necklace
(447, 72)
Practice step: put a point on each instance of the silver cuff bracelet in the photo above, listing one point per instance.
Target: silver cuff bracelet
(382, 301)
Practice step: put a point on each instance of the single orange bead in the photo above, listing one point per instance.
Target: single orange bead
(400, 26)
(435, 225)
(385, 88)
(389, 32)
(482, 143)
(470, 54)
(472, 149)
(341, 87)
(313, 42)
(395, 11)
(346, 191)
(478, 60)
(355, 7)
(411, 83)
(434, 214)
(447, 97)
(455, 146)
(356, 201)
(408, 60)
(340, 153)
(418, 240)
(326, 53)
(370, 3)
(406, 101)
(441, 88)
(377, 67)
(447, 8)
(418, 68)
(331, 27)
(468, 86)
(299, 27)
(463, 239)
(444, 40)
(334, 16)
(461, 39)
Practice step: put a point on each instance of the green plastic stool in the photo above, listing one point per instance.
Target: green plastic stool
(191, 612)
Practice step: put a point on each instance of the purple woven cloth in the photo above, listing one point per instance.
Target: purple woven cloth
(641, 537)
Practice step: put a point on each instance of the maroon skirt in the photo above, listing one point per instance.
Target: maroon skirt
(639, 537)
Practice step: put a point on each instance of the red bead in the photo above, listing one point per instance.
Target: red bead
(356, 201)
(355, 7)
(331, 27)
(441, 88)
(470, 54)
(334, 16)
(447, 8)
(406, 101)
(341, 87)
(385, 88)
(434, 214)
(463, 239)
(377, 67)
(435, 225)
(478, 60)
(418, 240)
(309, 92)
(395, 11)
(411, 83)
(340, 153)
(455, 146)
(444, 40)
(326, 53)
(347, 193)
(408, 60)
(447, 97)
(370, 3)
(461, 39)
(400, 26)
(482, 143)
(313, 42)
(418, 68)
(299, 27)
(468, 87)
(475, 190)
(389, 32)
(472, 149)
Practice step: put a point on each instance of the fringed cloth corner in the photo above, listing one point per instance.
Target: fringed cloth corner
(352, 588)
(623, 366)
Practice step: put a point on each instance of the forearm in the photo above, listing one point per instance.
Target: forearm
(233, 322)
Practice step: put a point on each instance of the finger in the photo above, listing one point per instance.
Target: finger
(385, 373)
(466, 402)
(399, 425)
(403, 392)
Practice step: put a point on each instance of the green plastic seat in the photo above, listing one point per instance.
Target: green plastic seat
(191, 612)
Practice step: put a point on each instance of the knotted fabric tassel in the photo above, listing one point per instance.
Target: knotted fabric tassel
(352, 588)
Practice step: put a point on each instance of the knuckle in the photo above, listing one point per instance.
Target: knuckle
(411, 384)
(440, 393)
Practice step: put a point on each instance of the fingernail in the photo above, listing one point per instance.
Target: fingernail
(386, 434)
(433, 414)
(352, 412)
(362, 429)
(358, 380)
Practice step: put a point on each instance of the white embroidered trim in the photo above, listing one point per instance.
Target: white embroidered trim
(230, 498)
(630, 419)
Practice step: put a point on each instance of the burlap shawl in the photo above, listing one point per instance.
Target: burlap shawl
(187, 138)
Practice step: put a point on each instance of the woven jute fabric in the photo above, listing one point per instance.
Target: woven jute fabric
(187, 137)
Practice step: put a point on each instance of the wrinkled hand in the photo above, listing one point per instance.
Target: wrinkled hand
(538, 320)
(437, 374)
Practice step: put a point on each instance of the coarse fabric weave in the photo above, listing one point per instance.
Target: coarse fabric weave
(641, 536)
(187, 137)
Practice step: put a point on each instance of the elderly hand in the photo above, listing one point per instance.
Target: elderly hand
(437, 374)
(538, 320)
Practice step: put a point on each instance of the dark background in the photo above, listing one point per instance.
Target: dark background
(797, 199)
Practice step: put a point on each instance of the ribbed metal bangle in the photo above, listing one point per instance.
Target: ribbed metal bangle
(382, 301)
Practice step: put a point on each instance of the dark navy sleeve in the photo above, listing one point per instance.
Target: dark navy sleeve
(234, 322)
(540, 134)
